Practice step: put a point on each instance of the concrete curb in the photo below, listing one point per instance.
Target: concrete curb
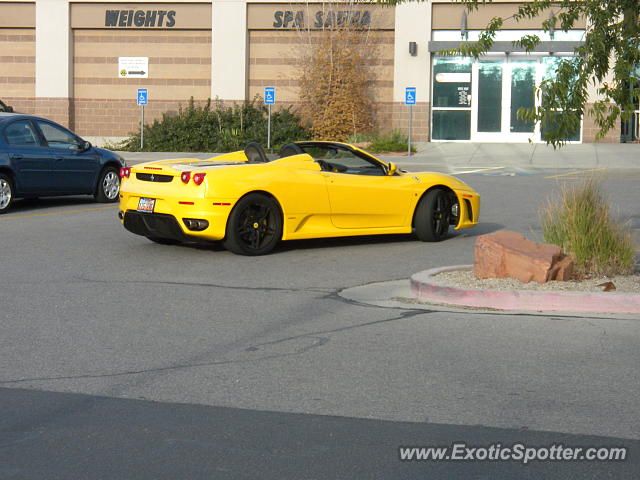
(425, 287)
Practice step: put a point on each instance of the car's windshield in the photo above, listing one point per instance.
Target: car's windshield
(337, 159)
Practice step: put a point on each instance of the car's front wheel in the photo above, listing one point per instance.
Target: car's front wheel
(6, 193)
(431, 221)
(254, 226)
(108, 186)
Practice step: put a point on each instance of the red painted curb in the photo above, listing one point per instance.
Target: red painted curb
(425, 287)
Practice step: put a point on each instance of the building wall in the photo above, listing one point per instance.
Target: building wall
(105, 105)
(18, 57)
(58, 58)
(281, 34)
(178, 48)
(18, 54)
(274, 61)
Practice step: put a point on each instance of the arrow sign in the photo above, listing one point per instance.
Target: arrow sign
(142, 97)
(269, 95)
(133, 67)
(410, 96)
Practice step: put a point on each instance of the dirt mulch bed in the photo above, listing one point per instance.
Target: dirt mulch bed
(465, 279)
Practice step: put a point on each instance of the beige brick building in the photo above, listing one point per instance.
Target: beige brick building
(63, 59)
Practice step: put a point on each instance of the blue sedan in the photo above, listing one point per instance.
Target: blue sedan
(38, 157)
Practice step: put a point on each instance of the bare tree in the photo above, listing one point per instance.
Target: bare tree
(336, 54)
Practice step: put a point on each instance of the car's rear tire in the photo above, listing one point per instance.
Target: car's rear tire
(164, 241)
(254, 226)
(6, 193)
(108, 186)
(431, 221)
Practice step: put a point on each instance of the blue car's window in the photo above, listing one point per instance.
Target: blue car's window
(57, 137)
(21, 133)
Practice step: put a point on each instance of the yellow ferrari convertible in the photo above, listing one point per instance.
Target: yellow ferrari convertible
(311, 190)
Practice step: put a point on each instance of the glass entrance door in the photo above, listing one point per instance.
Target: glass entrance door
(502, 87)
(479, 101)
(522, 93)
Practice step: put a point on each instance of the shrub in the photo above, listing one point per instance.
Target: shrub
(581, 223)
(395, 141)
(216, 128)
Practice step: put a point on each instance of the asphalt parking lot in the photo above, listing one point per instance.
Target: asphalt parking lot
(121, 358)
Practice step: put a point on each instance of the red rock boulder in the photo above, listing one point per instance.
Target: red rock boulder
(506, 254)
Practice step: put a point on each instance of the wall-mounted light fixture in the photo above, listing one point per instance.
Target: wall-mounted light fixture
(463, 26)
(413, 49)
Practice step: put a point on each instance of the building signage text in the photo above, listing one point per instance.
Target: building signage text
(140, 18)
(326, 19)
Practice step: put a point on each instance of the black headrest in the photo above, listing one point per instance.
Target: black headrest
(255, 152)
(290, 149)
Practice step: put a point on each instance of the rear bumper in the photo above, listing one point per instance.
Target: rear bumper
(170, 213)
(158, 225)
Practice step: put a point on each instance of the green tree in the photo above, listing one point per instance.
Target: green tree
(609, 59)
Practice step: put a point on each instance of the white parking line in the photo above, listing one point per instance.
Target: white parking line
(480, 169)
(577, 172)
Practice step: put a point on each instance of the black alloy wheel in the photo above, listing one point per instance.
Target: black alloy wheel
(254, 226)
(433, 213)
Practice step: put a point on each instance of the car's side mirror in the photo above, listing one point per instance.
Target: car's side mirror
(392, 169)
(84, 146)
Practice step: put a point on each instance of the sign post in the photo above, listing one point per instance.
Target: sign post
(269, 99)
(142, 101)
(410, 100)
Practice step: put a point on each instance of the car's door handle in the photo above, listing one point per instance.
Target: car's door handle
(16, 156)
(58, 159)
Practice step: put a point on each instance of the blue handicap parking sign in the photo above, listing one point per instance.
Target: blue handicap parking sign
(142, 96)
(269, 95)
(410, 96)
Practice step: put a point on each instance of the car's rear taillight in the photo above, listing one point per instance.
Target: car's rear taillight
(125, 172)
(198, 178)
(185, 177)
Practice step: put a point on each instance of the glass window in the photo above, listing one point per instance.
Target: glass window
(57, 137)
(551, 124)
(451, 125)
(523, 83)
(452, 82)
(335, 159)
(490, 97)
(21, 133)
(550, 68)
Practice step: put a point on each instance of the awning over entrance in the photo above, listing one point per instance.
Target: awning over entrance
(507, 46)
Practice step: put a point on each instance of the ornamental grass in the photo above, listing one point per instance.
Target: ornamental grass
(580, 221)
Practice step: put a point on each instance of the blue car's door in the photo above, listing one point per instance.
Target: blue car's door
(73, 170)
(28, 158)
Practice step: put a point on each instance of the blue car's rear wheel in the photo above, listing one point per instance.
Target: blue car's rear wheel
(6, 193)
(254, 226)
